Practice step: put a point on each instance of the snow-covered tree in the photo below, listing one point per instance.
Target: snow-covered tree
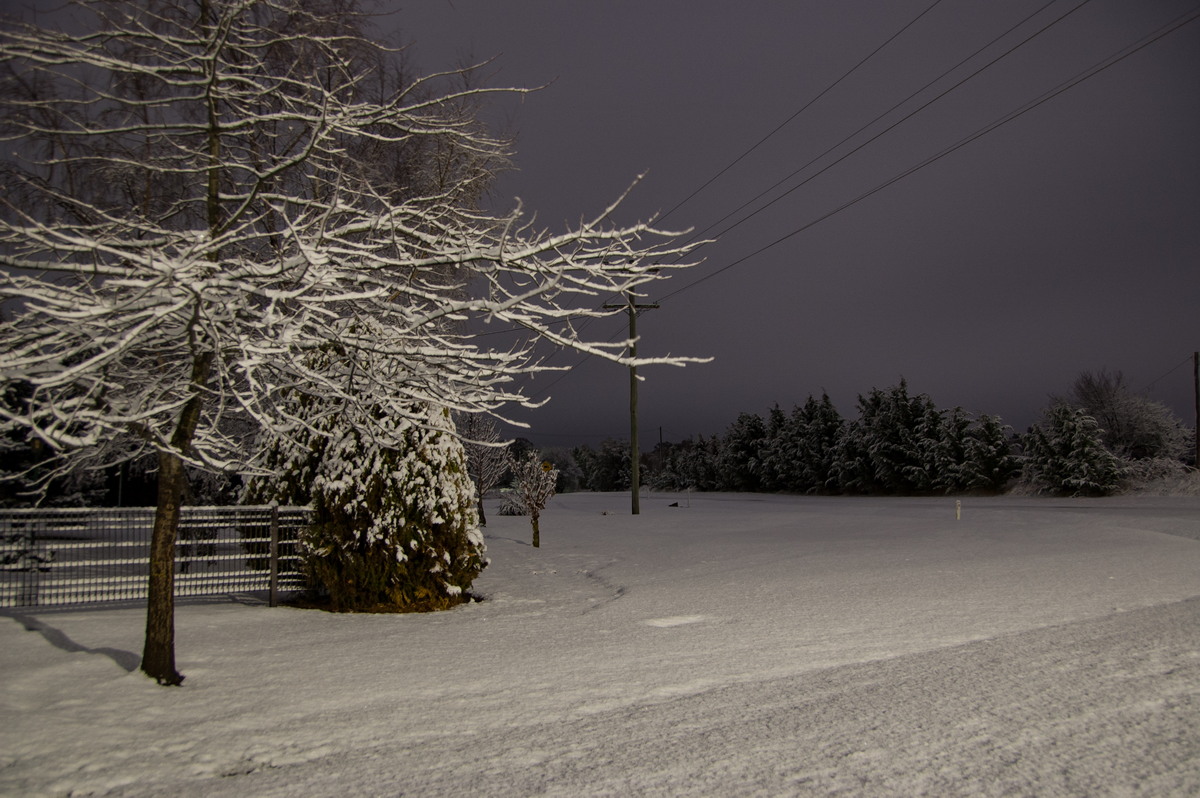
(393, 526)
(990, 461)
(882, 450)
(741, 466)
(944, 437)
(687, 465)
(778, 453)
(702, 463)
(799, 448)
(821, 427)
(1065, 454)
(487, 455)
(533, 482)
(902, 443)
(198, 195)
(1135, 426)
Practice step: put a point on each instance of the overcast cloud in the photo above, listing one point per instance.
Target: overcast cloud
(1063, 241)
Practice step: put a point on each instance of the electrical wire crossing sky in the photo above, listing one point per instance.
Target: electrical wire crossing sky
(982, 199)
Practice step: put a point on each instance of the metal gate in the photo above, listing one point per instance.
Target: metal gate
(86, 555)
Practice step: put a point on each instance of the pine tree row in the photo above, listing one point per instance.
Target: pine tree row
(899, 444)
(903, 444)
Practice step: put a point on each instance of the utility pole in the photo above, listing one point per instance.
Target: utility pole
(1196, 383)
(632, 307)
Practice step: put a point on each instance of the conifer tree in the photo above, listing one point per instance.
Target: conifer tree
(882, 451)
(1065, 454)
(778, 452)
(394, 527)
(740, 465)
(948, 465)
(990, 462)
(821, 428)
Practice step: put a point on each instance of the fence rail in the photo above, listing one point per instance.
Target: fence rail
(86, 555)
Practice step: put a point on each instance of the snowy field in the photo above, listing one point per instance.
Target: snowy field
(734, 645)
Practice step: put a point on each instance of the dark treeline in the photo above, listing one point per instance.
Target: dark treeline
(903, 444)
(899, 444)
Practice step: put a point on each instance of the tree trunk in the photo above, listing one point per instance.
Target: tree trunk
(537, 538)
(482, 517)
(158, 656)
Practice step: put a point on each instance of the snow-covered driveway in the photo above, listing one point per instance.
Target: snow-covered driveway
(731, 645)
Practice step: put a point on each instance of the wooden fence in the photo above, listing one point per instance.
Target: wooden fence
(84, 555)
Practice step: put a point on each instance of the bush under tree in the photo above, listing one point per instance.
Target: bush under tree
(393, 528)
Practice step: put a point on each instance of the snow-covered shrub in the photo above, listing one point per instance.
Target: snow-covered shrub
(510, 504)
(1065, 454)
(394, 528)
(1149, 470)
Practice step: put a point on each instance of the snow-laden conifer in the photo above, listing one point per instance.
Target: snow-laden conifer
(882, 450)
(990, 462)
(822, 427)
(741, 466)
(1065, 454)
(393, 526)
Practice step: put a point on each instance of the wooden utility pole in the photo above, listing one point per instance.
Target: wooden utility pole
(632, 307)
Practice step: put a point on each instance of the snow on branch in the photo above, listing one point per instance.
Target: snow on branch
(204, 209)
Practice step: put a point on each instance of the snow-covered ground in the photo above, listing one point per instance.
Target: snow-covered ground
(734, 645)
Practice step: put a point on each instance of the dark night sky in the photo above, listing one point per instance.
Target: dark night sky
(1066, 240)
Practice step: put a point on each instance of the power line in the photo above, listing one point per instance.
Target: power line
(779, 127)
(1174, 369)
(946, 72)
(1080, 77)
(802, 109)
(589, 319)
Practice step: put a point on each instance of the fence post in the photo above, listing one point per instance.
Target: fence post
(274, 598)
(31, 568)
